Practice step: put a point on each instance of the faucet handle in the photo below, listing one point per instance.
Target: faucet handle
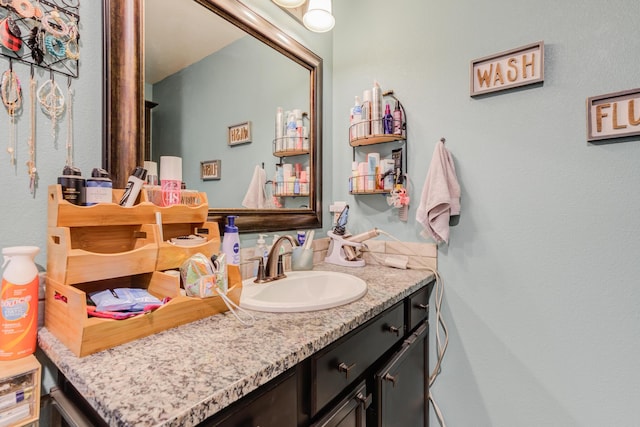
(261, 276)
(280, 269)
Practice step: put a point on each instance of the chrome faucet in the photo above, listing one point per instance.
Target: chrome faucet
(274, 269)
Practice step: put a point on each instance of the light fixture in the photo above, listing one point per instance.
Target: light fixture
(318, 17)
(289, 4)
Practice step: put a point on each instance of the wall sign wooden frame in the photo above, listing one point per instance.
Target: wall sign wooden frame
(613, 115)
(506, 70)
(240, 133)
(210, 170)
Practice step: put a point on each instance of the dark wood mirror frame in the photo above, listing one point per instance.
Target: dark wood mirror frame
(124, 105)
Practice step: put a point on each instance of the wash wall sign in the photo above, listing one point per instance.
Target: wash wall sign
(506, 70)
(614, 115)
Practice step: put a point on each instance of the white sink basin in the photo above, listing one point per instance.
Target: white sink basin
(302, 291)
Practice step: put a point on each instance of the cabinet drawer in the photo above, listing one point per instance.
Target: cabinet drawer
(340, 364)
(418, 307)
(273, 405)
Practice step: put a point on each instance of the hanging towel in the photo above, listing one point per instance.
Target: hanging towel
(256, 196)
(440, 198)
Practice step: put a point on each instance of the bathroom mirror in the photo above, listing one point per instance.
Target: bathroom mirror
(124, 105)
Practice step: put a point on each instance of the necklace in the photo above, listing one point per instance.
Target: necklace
(12, 100)
(51, 101)
(70, 94)
(31, 142)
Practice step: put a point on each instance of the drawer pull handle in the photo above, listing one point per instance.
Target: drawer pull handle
(424, 307)
(390, 378)
(365, 401)
(394, 330)
(343, 367)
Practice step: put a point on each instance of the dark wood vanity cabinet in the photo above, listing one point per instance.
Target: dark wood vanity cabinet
(374, 376)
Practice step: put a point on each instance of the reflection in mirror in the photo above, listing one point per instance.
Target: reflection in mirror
(124, 111)
(209, 83)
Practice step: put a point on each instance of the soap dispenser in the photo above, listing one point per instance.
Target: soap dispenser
(231, 241)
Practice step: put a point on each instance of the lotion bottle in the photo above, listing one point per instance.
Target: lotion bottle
(356, 120)
(231, 241)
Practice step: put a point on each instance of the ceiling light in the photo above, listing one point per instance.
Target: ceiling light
(289, 4)
(318, 17)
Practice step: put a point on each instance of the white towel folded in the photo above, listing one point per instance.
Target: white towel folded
(440, 198)
(256, 196)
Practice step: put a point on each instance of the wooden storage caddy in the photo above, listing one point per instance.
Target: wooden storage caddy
(91, 248)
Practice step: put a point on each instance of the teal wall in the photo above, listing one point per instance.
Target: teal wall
(541, 275)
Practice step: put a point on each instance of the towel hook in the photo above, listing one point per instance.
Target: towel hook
(442, 139)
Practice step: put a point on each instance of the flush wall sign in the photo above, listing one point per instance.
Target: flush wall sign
(614, 115)
(517, 67)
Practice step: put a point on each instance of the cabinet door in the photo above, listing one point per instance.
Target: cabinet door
(402, 385)
(275, 405)
(350, 412)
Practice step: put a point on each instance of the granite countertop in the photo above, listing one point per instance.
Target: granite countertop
(183, 375)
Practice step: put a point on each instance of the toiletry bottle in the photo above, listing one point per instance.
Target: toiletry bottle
(365, 128)
(291, 131)
(170, 179)
(388, 120)
(397, 119)
(134, 185)
(231, 241)
(376, 110)
(299, 130)
(73, 185)
(99, 188)
(19, 302)
(260, 251)
(304, 183)
(357, 119)
(279, 129)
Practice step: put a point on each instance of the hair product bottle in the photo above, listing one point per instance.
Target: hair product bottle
(19, 303)
(376, 110)
(99, 187)
(388, 120)
(397, 119)
(134, 185)
(73, 185)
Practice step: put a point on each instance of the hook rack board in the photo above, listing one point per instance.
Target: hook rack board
(27, 15)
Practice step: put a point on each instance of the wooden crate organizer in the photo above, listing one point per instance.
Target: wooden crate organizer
(99, 247)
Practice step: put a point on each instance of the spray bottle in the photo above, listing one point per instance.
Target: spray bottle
(19, 303)
(231, 241)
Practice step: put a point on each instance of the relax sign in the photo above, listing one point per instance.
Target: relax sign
(506, 70)
(613, 115)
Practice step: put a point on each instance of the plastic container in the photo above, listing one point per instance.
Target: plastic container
(99, 188)
(73, 185)
(19, 302)
(231, 241)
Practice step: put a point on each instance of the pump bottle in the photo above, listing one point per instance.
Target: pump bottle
(19, 302)
(231, 241)
(260, 251)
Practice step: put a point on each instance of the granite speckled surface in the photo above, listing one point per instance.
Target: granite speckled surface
(181, 376)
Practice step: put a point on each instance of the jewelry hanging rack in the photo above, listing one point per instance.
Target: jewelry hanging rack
(68, 9)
